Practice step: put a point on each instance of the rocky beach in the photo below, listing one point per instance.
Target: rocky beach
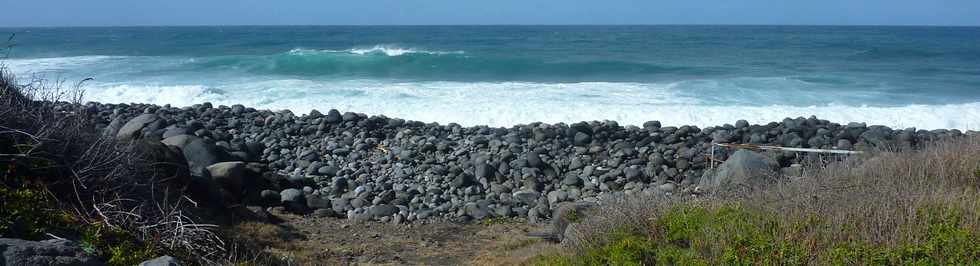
(361, 167)
(352, 188)
(421, 144)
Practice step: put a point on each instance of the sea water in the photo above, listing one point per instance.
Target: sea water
(924, 77)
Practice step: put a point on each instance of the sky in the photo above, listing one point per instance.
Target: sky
(466, 12)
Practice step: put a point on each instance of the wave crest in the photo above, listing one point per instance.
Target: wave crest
(380, 49)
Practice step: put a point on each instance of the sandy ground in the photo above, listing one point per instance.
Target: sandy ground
(332, 241)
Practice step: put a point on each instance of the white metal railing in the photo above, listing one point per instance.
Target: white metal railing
(712, 160)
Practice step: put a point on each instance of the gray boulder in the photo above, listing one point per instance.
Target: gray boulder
(199, 152)
(333, 116)
(317, 202)
(581, 139)
(743, 168)
(139, 126)
(174, 131)
(382, 210)
(564, 216)
(478, 210)
(294, 200)
(269, 197)
(48, 252)
(527, 197)
(230, 175)
(161, 261)
(113, 128)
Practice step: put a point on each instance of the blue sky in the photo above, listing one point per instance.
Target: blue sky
(387, 12)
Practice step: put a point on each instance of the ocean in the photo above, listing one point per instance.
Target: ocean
(924, 77)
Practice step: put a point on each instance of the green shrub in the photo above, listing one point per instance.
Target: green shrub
(733, 235)
(20, 216)
(729, 235)
(116, 247)
(27, 211)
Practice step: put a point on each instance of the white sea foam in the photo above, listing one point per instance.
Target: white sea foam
(388, 50)
(509, 103)
(36, 65)
(178, 95)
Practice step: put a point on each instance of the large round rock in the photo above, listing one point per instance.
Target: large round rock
(199, 152)
(47, 252)
(230, 175)
(743, 169)
(294, 200)
(140, 126)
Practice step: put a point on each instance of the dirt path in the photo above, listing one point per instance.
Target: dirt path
(332, 241)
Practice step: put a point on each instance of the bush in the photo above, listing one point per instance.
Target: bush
(731, 235)
(62, 176)
(26, 211)
(115, 246)
(912, 207)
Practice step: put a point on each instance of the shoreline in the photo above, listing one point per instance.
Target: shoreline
(373, 167)
(506, 104)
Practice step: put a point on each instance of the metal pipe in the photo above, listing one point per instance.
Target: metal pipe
(777, 148)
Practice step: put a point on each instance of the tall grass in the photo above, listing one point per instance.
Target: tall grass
(124, 202)
(889, 207)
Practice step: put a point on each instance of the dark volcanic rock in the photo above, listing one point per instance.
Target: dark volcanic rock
(229, 175)
(293, 200)
(581, 139)
(139, 127)
(346, 163)
(383, 210)
(199, 153)
(43, 253)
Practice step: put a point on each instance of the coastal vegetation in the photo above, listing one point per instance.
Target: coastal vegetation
(903, 207)
(119, 202)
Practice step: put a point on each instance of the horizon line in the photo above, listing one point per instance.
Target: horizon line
(483, 25)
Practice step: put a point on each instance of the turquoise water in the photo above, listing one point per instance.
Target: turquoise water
(927, 77)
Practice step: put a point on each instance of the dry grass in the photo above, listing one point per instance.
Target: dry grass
(49, 139)
(886, 207)
(881, 198)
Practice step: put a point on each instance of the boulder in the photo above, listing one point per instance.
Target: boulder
(571, 181)
(329, 171)
(340, 205)
(565, 215)
(581, 139)
(527, 197)
(294, 200)
(744, 168)
(161, 261)
(174, 131)
(229, 175)
(165, 161)
(113, 128)
(317, 202)
(462, 180)
(483, 170)
(333, 116)
(269, 197)
(136, 127)
(43, 253)
(477, 211)
(199, 152)
(382, 210)
(534, 160)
